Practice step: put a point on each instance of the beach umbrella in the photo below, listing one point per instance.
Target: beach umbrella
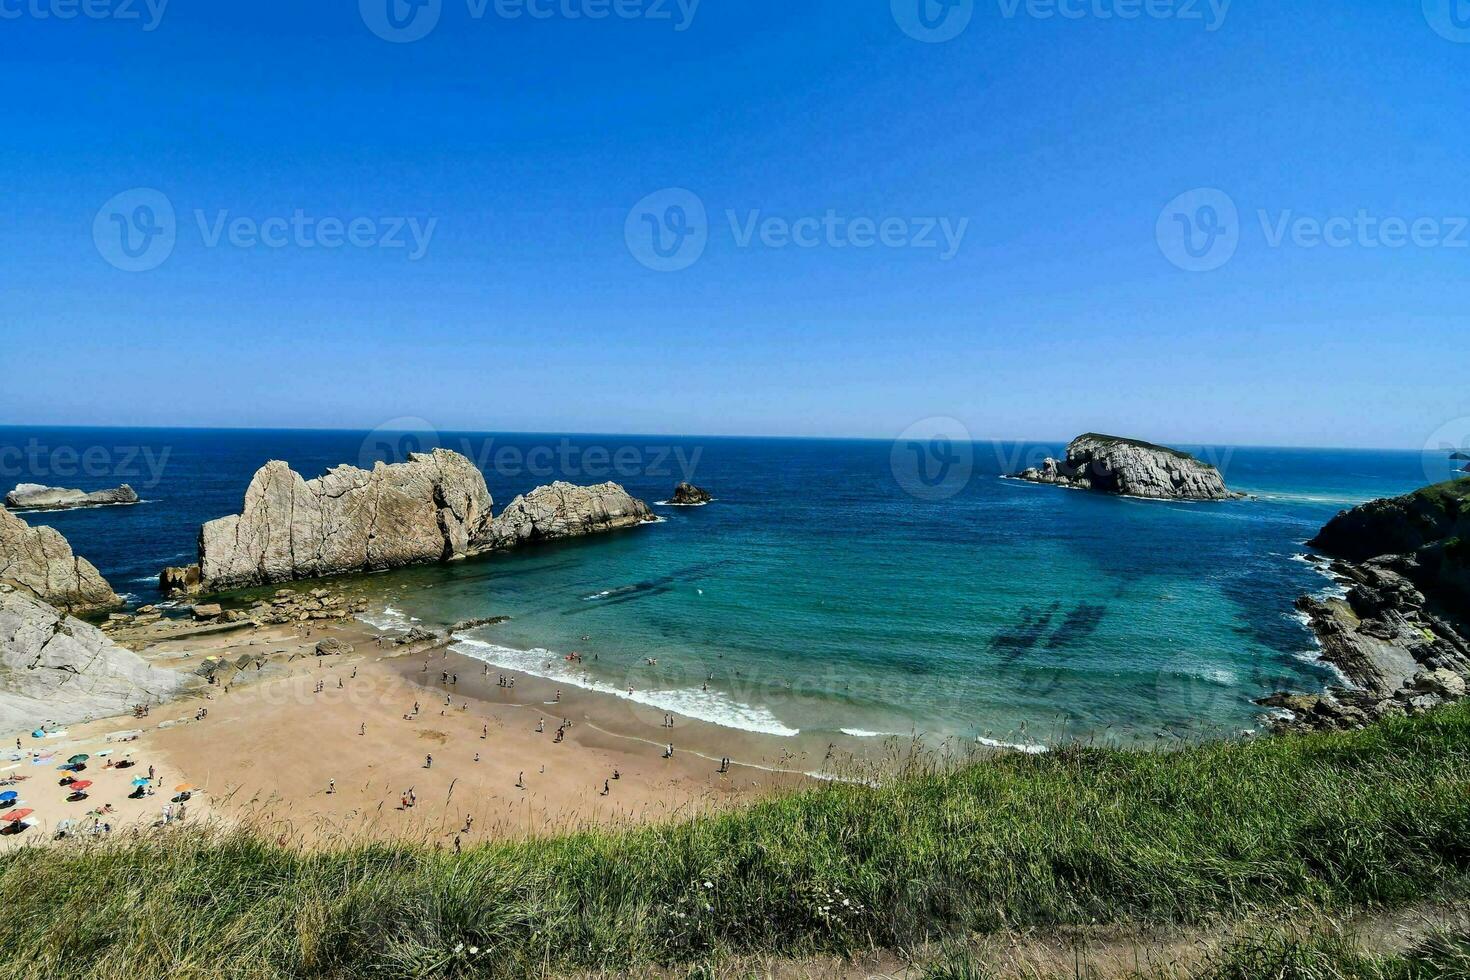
(79, 785)
(15, 816)
(78, 759)
(141, 781)
(184, 788)
(9, 794)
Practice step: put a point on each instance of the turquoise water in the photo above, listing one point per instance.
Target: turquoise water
(817, 594)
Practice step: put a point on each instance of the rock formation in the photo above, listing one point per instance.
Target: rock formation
(1127, 467)
(1400, 635)
(33, 496)
(59, 669)
(39, 561)
(432, 508)
(562, 510)
(688, 495)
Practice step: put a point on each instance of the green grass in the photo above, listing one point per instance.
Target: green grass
(1081, 836)
(1271, 956)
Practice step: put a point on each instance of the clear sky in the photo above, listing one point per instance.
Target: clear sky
(520, 147)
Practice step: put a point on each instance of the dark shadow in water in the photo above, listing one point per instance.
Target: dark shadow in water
(1026, 634)
(647, 589)
(1080, 623)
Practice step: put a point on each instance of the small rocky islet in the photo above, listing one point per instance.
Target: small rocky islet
(688, 495)
(1130, 468)
(34, 496)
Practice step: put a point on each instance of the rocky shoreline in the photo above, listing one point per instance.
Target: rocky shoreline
(1399, 635)
(33, 496)
(1130, 468)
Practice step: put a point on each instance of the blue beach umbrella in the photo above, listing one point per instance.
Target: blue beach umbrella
(9, 794)
(141, 781)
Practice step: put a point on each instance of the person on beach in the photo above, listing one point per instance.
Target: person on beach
(362, 728)
(429, 761)
(520, 780)
(606, 787)
(477, 757)
(331, 787)
(669, 751)
(540, 726)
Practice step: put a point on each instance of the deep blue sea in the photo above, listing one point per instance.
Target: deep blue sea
(827, 588)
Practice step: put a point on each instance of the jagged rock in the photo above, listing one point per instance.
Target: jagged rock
(180, 581)
(56, 668)
(1399, 636)
(416, 634)
(332, 647)
(688, 495)
(1128, 467)
(562, 510)
(31, 496)
(470, 624)
(425, 510)
(207, 610)
(40, 561)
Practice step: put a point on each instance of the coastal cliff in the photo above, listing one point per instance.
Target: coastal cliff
(54, 668)
(1130, 468)
(435, 507)
(1399, 636)
(39, 561)
(33, 496)
(425, 510)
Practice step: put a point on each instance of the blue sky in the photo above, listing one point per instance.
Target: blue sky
(1057, 145)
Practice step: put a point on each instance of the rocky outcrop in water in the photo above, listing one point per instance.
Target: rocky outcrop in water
(688, 495)
(33, 496)
(431, 508)
(1127, 467)
(563, 510)
(1400, 635)
(59, 669)
(39, 561)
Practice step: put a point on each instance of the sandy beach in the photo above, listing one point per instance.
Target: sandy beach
(322, 749)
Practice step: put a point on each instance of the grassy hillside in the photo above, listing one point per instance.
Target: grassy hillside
(1079, 836)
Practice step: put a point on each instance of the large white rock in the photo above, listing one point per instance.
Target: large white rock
(428, 509)
(39, 561)
(563, 510)
(57, 668)
(1128, 467)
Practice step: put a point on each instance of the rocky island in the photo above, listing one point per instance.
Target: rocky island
(1399, 635)
(688, 495)
(435, 507)
(33, 496)
(1130, 468)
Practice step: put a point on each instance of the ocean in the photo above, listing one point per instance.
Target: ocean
(853, 587)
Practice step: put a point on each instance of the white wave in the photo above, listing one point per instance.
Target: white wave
(670, 503)
(1017, 746)
(864, 733)
(389, 619)
(710, 706)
